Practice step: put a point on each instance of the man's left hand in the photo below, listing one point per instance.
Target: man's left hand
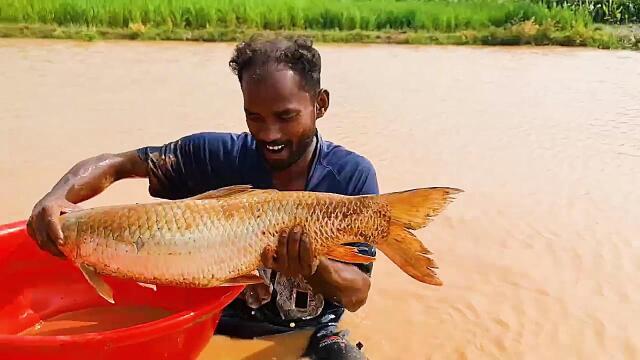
(294, 255)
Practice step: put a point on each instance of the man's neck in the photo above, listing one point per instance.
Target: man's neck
(294, 178)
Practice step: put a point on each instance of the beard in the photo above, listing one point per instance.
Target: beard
(294, 151)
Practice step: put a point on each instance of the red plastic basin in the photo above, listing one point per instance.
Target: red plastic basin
(37, 286)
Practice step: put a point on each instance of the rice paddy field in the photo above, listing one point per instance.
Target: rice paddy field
(605, 24)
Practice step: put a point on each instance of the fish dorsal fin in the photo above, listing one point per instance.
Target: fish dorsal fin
(223, 192)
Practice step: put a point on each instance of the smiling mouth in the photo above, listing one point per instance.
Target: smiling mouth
(275, 148)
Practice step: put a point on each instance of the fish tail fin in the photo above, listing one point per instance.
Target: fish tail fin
(412, 210)
(409, 254)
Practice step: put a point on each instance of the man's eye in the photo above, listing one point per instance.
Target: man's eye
(289, 116)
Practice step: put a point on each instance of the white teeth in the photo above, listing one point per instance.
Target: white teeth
(275, 148)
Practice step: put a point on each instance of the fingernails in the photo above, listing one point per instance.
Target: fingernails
(297, 228)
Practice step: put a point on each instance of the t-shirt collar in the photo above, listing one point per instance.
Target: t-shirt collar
(314, 173)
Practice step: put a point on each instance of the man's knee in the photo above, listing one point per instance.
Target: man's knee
(331, 344)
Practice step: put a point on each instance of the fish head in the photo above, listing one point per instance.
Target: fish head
(70, 243)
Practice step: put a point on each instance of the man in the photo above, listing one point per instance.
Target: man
(280, 83)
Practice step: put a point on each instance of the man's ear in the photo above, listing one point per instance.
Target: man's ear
(322, 103)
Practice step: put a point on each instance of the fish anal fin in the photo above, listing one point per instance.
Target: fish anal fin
(348, 254)
(247, 279)
(223, 192)
(97, 282)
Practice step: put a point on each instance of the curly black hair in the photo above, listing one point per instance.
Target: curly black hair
(297, 53)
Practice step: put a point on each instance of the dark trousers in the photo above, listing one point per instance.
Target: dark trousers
(326, 342)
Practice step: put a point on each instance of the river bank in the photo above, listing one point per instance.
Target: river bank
(527, 33)
(440, 22)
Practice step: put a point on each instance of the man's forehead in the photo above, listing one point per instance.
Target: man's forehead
(270, 73)
(280, 86)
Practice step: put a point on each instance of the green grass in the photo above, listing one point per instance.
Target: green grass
(391, 21)
(604, 11)
(345, 15)
(521, 34)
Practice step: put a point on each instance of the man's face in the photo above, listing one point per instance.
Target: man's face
(280, 114)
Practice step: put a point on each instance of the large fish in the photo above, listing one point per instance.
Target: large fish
(217, 238)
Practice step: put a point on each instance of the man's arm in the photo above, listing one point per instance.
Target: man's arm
(348, 284)
(83, 181)
(339, 282)
(343, 283)
(175, 170)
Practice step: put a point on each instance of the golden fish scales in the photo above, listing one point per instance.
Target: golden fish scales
(218, 237)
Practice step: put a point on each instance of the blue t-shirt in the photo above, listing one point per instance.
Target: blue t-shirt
(205, 161)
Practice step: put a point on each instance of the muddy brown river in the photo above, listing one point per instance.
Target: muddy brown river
(540, 257)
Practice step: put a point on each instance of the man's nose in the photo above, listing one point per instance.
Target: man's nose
(269, 133)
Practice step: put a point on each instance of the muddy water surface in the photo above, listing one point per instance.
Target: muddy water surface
(98, 319)
(540, 257)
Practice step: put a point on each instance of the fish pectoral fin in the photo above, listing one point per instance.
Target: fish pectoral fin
(149, 286)
(251, 278)
(348, 254)
(97, 282)
(223, 192)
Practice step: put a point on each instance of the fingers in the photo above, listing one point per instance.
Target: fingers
(44, 223)
(294, 254)
(267, 258)
(282, 260)
(293, 250)
(307, 260)
(52, 230)
(43, 227)
(42, 236)
(53, 227)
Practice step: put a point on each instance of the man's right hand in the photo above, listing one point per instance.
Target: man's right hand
(44, 223)
(83, 181)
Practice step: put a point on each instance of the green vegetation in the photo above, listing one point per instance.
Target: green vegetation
(437, 15)
(603, 11)
(564, 22)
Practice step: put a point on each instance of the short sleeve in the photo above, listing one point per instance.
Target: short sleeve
(365, 180)
(190, 165)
